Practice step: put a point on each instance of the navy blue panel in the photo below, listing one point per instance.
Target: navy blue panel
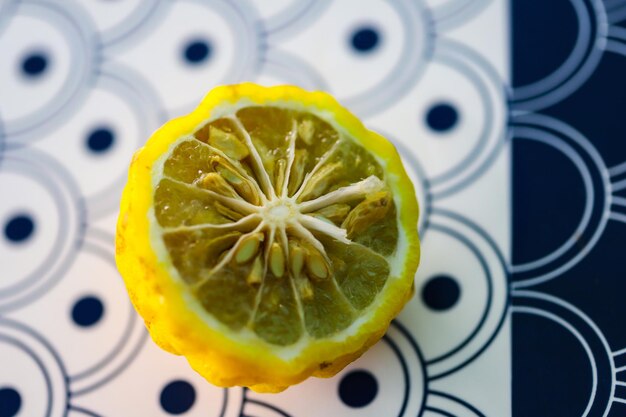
(598, 285)
(569, 205)
(618, 410)
(548, 199)
(551, 369)
(539, 45)
(598, 108)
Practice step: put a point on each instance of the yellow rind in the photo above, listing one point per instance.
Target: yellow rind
(160, 300)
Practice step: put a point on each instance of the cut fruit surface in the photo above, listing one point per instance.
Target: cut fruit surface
(267, 236)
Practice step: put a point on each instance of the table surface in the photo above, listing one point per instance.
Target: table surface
(509, 116)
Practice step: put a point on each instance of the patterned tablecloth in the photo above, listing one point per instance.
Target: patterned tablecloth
(510, 116)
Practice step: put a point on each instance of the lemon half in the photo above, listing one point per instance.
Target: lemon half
(267, 236)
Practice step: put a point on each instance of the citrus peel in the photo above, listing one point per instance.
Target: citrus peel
(267, 236)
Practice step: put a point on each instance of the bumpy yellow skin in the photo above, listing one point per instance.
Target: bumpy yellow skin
(160, 299)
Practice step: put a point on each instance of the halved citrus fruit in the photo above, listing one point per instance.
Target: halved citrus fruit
(267, 236)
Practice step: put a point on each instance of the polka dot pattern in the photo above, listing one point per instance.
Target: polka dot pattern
(441, 293)
(34, 65)
(365, 39)
(10, 402)
(442, 117)
(19, 228)
(100, 140)
(197, 52)
(87, 311)
(177, 397)
(358, 388)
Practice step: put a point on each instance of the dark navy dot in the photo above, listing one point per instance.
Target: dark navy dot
(87, 311)
(10, 402)
(35, 64)
(197, 51)
(100, 139)
(358, 388)
(442, 117)
(365, 39)
(441, 292)
(177, 397)
(19, 228)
